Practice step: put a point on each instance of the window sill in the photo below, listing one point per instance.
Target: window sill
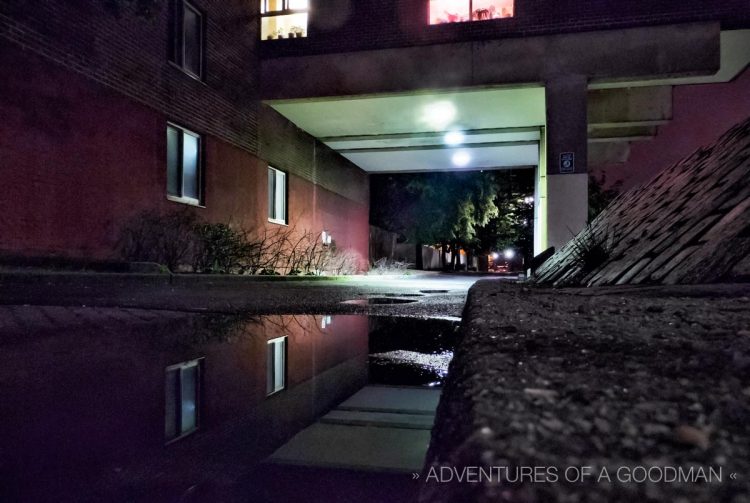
(181, 437)
(186, 200)
(278, 222)
(197, 78)
(282, 38)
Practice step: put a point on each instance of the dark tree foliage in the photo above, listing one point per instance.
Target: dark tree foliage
(514, 225)
(476, 211)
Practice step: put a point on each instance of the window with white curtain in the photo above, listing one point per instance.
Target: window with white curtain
(276, 366)
(277, 191)
(184, 165)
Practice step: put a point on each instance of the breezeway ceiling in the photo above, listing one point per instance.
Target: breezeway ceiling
(406, 132)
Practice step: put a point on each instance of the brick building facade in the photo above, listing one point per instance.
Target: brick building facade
(377, 24)
(96, 99)
(86, 98)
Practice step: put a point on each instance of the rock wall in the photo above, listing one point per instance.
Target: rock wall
(690, 224)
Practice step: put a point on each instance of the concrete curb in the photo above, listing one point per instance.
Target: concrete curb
(165, 279)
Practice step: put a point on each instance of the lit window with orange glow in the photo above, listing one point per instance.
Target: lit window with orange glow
(460, 11)
(283, 18)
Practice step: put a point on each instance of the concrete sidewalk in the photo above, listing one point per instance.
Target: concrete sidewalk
(379, 428)
(432, 294)
(610, 378)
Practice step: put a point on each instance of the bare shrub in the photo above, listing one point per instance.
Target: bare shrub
(342, 262)
(591, 250)
(387, 266)
(168, 239)
(179, 240)
(222, 249)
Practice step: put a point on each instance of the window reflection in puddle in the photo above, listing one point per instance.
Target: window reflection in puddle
(111, 398)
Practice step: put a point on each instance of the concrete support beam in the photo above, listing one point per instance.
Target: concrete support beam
(567, 158)
(647, 53)
(567, 207)
(629, 105)
(540, 199)
(621, 133)
(608, 153)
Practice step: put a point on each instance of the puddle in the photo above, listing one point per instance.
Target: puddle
(123, 404)
(410, 366)
(411, 351)
(375, 301)
(403, 295)
(434, 291)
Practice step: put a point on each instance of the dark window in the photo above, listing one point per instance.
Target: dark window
(188, 38)
(182, 399)
(184, 171)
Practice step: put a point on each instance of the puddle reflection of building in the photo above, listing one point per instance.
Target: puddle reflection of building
(101, 410)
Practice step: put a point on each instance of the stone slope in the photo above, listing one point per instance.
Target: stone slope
(688, 225)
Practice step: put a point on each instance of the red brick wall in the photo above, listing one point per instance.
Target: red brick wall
(108, 399)
(129, 54)
(80, 159)
(701, 114)
(346, 25)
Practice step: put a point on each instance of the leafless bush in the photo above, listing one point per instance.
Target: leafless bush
(180, 240)
(222, 249)
(590, 250)
(167, 239)
(342, 263)
(289, 251)
(387, 266)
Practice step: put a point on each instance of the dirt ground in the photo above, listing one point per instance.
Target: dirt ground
(579, 385)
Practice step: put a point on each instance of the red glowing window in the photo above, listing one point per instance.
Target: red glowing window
(459, 11)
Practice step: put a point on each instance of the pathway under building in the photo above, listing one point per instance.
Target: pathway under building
(558, 104)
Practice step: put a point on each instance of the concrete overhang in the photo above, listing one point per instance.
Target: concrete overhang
(498, 128)
(635, 54)
(734, 57)
(369, 105)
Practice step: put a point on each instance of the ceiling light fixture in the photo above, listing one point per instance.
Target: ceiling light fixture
(439, 115)
(461, 159)
(454, 138)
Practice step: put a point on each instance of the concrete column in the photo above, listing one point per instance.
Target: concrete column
(540, 199)
(567, 158)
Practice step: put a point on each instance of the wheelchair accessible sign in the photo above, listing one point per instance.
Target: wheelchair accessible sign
(567, 162)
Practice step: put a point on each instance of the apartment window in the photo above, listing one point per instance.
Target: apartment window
(184, 171)
(276, 366)
(458, 11)
(182, 399)
(283, 18)
(276, 196)
(188, 38)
